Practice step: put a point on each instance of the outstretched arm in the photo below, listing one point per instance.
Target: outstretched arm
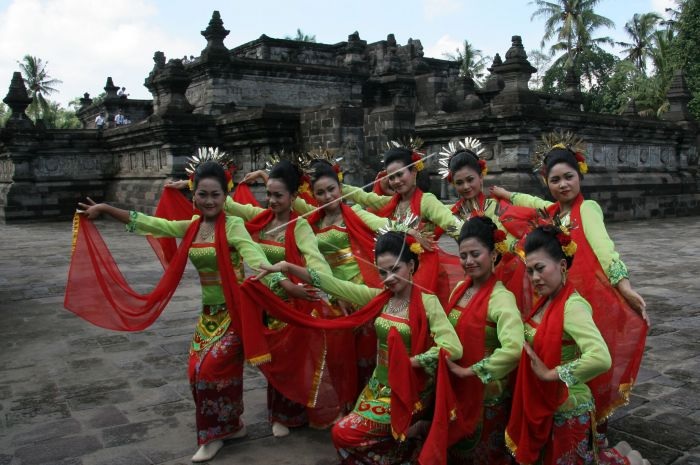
(92, 210)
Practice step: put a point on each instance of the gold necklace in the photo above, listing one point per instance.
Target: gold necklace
(397, 306)
(206, 232)
(467, 296)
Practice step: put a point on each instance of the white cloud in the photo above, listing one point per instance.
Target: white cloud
(436, 8)
(660, 6)
(84, 42)
(445, 44)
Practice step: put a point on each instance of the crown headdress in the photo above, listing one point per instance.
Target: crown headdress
(471, 144)
(206, 154)
(559, 140)
(404, 225)
(414, 145)
(306, 160)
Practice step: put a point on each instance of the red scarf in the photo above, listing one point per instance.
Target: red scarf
(457, 400)
(96, 285)
(361, 242)
(407, 382)
(621, 327)
(387, 211)
(535, 401)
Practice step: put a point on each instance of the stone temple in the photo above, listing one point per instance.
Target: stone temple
(271, 94)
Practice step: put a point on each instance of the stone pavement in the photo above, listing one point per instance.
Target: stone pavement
(75, 394)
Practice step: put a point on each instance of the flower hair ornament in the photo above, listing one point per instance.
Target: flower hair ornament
(555, 225)
(205, 154)
(470, 144)
(328, 155)
(559, 140)
(499, 241)
(404, 226)
(414, 146)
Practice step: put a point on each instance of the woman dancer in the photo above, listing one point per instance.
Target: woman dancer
(553, 416)
(488, 323)
(598, 274)
(215, 244)
(410, 320)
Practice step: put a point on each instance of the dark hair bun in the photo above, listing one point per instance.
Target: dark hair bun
(288, 173)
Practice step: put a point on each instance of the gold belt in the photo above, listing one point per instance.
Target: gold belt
(210, 278)
(340, 257)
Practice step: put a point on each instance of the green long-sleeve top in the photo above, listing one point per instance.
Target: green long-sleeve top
(594, 230)
(432, 211)
(273, 244)
(203, 255)
(584, 355)
(334, 241)
(442, 331)
(503, 343)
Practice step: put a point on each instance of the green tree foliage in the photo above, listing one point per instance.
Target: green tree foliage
(472, 62)
(301, 37)
(640, 29)
(571, 23)
(39, 84)
(684, 51)
(4, 114)
(540, 61)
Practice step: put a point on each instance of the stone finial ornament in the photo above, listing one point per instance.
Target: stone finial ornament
(18, 100)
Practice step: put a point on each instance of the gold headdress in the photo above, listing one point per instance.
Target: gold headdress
(562, 232)
(469, 143)
(205, 154)
(404, 225)
(306, 160)
(560, 140)
(414, 146)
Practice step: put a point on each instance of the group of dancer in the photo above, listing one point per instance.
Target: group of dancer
(515, 351)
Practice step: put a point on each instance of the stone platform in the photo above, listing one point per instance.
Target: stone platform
(75, 394)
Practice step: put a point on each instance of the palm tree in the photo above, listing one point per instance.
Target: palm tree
(301, 37)
(640, 29)
(472, 62)
(571, 23)
(39, 83)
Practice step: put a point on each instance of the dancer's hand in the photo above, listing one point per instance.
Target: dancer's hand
(300, 291)
(538, 366)
(499, 192)
(179, 185)
(426, 242)
(251, 177)
(633, 299)
(265, 269)
(89, 210)
(458, 370)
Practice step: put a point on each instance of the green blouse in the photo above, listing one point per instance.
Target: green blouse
(584, 355)
(503, 343)
(374, 402)
(273, 244)
(594, 229)
(432, 211)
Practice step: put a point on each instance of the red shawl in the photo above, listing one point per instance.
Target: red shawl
(98, 292)
(535, 401)
(621, 326)
(457, 209)
(405, 381)
(361, 242)
(172, 205)
(455, 396)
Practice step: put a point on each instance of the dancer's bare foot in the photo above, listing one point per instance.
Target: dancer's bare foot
(207, 451)
(279, 430)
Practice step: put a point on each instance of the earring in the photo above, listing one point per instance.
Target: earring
(563, 277)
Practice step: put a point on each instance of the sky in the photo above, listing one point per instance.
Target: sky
(83, 41)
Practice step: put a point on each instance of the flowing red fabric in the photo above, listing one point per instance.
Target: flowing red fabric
(377, 185)
(361, 242)
(534, 400)
(622, 328)
(173, 205)
(387, 210)
(405, 390)
(468, 393)
(98, 292)
(242, 194)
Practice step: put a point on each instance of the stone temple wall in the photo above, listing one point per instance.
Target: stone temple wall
(270, 95)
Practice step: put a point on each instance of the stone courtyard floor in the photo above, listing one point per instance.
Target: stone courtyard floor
(75, 394)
